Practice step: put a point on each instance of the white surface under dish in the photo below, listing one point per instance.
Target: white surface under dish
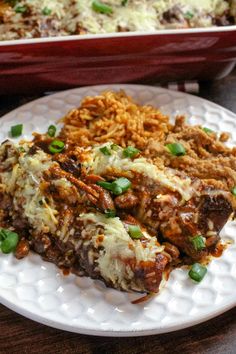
(39, 291)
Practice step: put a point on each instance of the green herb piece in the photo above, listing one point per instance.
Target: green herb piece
(135, 232)
(21, 149)
(198, 242)
(124, 2)
(52, 130)
(46, 11)
(56, 146)
(197, 272)
(21, 9)
(101, 8)
(121, 185)
(9, 240)
(130, 151)
(115, 147)
(105, 185)
(176, 149)
(117, 187)
(110, 213)
(105, 151)
(207, 130)
(188, 15)
(16, 130)
(233, 191)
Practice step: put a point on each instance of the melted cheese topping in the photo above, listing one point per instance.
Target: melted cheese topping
(101, 164)
(118, 248)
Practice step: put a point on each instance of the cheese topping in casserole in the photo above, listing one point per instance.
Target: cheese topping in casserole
(36, 18)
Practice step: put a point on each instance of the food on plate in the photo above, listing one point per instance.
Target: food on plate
(32, 19)
(106, 197)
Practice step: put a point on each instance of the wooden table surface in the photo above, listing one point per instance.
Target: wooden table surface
(217, 336)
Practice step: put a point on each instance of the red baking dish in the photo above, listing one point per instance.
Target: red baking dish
(59, 63)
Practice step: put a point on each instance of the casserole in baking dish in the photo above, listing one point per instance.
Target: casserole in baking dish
(166, 54)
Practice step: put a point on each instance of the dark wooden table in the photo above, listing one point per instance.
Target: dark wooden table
(217, 336)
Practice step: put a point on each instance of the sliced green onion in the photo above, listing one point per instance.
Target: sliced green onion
(105, 151)
(56, 146)
(101, 8)
(198, 242)
(124, 2)
(115, 147)
(16, 130)
(46, 11)
(121, 185)
(21, 149)
(21, 9)
(9, 240)
(105, 185)
(197, 272)
(135, 232)
(130, 151)
(52, 130)
(207, 130)
(110, 213)
(233, 191)
(188, 15)
(117, 187)
(176, 149)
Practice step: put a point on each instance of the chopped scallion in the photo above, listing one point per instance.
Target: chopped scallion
(46, 11)
(197, 272)
(101, 8)
(56, 146)
(21, 9)
(117, 187)
(130, 151)
(135, 232)
(198, 242)
(176, 149)
(233, 191)
(105, 151)
(9, 240)
(110, 213)
(16, 130)
(52, 130)
(207, 130)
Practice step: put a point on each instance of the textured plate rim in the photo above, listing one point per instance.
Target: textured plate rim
(177, 325)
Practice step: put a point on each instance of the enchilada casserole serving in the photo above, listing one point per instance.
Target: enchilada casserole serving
(116, 195)
(48, 18)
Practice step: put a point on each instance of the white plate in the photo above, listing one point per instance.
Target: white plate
(37, 290)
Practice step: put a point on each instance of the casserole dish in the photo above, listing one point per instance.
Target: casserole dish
(48, 64)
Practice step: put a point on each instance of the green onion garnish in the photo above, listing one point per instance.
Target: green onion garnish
(9, 240)
(105, 151)
(130, 151)
(56, 146)
(121, 185)
(115, 147)
(198, 242)
(233, 191)
(188, 15)
(16, 130)
(110, 213)
(176, 149)
(117, 187)
(124, 2)
(46, 11)
(21, 9)
(207, 130)
(101, 8)
(197, 272)
(135, 232)
(52, 130)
